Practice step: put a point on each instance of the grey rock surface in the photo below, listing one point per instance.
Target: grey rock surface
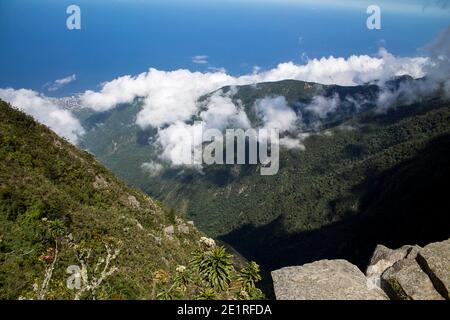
(383, 258)
(323, 280)
(410, 272)
(406, 280)
(434, 259)
(169, 231)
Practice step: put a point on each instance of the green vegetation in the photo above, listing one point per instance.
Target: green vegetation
(59, 208)
(211, 275)
(364, 178)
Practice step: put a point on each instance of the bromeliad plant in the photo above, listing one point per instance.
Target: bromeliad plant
(215, 267)
(212, 275)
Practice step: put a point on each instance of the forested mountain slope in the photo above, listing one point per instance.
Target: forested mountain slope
(356, 172)
(60, 207)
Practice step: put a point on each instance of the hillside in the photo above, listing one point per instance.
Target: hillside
(329, 201)
(59, 207)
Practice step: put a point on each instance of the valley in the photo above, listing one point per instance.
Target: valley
(345, 190)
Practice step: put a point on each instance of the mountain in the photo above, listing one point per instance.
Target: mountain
(63, 213)
(362, 174)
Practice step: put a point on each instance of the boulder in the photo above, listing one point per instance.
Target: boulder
(382, 259)
(169, 231)
(405, 280)
(323, 280)
(100, 183)
(183, 228)
(435, 261)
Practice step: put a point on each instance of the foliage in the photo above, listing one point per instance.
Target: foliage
(56, 202)
(211, 275)
(321, 201)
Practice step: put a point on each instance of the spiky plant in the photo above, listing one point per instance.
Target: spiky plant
(207, 294)
(215, 267)
(249, 276)
(57, 228)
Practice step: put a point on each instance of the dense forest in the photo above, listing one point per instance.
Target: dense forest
(336, 198)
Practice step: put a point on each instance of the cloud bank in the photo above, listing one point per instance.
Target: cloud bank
(276, 114)
(45, 111)
(171, 96)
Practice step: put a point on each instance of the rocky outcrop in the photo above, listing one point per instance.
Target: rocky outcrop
(422, 274)
(323, 280)
(384, 258)
(406, 280)
(435, 261)
(407, 273)
(169, 231)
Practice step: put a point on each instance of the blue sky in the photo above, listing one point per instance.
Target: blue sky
(121, 37)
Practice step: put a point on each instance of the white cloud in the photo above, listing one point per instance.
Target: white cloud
(171, 96)
(437, 80)
(152, 168)
(323, 106)
(59, 83)
(45, 111)
(216, 69)
(177, 140)
(291, 143)
(201, 59)
(439, 68)
(222, 113)
(295, 142)
(354, 70)
(178, 143)
(276, 114)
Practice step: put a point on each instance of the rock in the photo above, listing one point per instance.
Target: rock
(133, 202)
(382, 259)
(412, 253)
(323, 280)
(388, 255)
(190, 222)
(169, 231)
(183, 228)
(435, 261)
(405, 280)
(100, 183)
(57, 143)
